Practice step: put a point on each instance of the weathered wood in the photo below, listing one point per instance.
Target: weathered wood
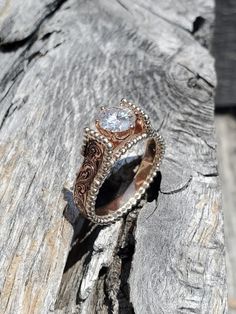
(19, 20)
(168, 255)
(226, 134)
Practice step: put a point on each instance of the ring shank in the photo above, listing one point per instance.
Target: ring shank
(97, 167)
(120, 186)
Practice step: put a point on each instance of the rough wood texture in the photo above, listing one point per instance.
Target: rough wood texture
(167, 256)
(19, 20)
(226, 134)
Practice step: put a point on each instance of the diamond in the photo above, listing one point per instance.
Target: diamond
(116, 119)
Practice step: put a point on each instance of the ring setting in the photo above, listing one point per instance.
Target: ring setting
(116, 132)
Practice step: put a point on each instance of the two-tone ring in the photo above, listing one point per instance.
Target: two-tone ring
(107, 165)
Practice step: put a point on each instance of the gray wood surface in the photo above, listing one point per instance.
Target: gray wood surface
(226, 134)
(20, 19)
(167, 256)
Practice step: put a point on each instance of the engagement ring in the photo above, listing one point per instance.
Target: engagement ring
(117, 168)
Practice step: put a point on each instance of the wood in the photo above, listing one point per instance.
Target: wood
(166, 256)
(19, 20)
(226, 133)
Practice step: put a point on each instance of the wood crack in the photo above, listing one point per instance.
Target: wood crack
(123, 5)
(180, 189)
(95, 263)
(197, 77)
(11, 109)
(14, 45)
(30, 184)
(6, 115)
(209, 175)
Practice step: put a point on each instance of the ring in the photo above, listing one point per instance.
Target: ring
(117, 168)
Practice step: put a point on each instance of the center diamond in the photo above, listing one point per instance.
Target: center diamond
(116, 119)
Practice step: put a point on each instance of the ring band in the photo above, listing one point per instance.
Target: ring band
(119, 129)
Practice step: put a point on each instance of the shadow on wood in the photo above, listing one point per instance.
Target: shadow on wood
(113, 276)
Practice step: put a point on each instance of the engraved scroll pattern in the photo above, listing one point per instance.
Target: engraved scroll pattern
(92, 161)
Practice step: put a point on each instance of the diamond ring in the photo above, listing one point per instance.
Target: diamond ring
(117, 168)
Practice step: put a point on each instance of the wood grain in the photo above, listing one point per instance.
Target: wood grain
(20, 19)
(226, 132)
(167, 256)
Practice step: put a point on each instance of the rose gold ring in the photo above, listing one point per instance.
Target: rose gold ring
(111, 180)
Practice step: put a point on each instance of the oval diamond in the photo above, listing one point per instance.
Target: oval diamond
(116, 119)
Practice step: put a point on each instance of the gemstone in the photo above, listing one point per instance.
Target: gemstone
(116, 119)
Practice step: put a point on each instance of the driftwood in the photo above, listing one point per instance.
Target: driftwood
(226, 133)
(59, 61)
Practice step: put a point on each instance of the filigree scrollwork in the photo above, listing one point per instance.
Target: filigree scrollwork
(92, 160)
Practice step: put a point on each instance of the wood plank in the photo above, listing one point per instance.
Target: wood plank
(166, 256)
(226, 133)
